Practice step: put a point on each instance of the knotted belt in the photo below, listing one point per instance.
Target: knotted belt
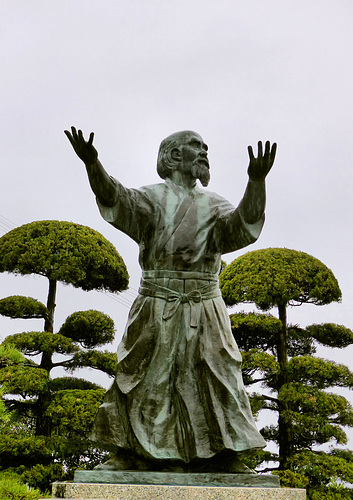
(174, 298)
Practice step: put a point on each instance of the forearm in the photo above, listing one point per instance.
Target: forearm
(101, 183)
(252, 206)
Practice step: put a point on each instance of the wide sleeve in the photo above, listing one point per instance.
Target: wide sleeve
(232, 232)
(131, 213)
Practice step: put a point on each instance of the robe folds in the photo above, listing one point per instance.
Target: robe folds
(178, 392)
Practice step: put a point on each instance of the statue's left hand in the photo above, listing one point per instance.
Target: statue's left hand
(259, 167)
(84, 149)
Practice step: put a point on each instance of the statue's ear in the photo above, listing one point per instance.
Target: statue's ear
(175, 154)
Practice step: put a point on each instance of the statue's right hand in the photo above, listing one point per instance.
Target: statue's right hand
(84, 149)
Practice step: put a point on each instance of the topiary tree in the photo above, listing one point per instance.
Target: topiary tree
(280, 356)
(56, 414)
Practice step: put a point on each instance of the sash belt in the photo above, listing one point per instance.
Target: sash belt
(174, 299)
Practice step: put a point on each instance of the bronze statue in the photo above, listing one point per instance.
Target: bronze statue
(178, 400)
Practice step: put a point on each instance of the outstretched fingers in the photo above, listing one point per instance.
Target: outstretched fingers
(267, 149)
(273, 152)
(80, 136)
(259, 149)
(72, 136)
(251, 153)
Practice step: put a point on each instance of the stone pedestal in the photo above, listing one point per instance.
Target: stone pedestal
(133, 485)
(177, 478)
(95, 491)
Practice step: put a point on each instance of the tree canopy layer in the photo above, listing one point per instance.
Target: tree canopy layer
(301, 389)
(66, 252)
(54, 415)
(17, 306)
(274, 276)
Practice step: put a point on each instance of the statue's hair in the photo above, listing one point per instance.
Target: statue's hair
(165, 164)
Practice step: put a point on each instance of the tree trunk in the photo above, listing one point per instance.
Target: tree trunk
(285, 433)
(43, 424)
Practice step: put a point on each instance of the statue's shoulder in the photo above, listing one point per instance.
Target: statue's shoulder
(214, 199)
(153, 190)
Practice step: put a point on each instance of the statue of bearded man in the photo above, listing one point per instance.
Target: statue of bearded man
(178, 400)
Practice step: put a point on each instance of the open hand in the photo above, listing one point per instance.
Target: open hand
(259, 167)
(84, 149)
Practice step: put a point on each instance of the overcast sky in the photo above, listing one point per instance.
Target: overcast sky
(134, 72)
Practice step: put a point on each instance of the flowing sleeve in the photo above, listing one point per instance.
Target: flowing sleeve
(131, 213)
(232, 232)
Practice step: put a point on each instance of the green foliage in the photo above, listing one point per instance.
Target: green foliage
(17, 448)
(319, 372)
(331, 335)
(24, 380)
(257, 360)
(71, 383)
(290, 479)
(90, 328)
(73, 411)
(44, 431)
(41, 476)
(322, 469)
(104, 361)
(18, 306)
(331, 493)
(299, 342)
(32, 343)
(10, 356)
(316, 416)
(276, 276)
(4, 414)
(64, 251)
(12, 488)
(260, 331)
(279, 357)
(255, 331)
(257, 402)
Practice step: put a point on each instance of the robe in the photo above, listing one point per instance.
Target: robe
(178, 393)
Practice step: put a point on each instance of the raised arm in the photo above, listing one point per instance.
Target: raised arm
(253, 203)
(101, 183)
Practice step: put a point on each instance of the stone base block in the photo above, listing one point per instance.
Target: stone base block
(177, 478)
(95, 491)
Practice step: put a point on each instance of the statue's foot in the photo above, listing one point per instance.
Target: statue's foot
(115, 463)
(236, 466)
(226, 461)
(125, 461)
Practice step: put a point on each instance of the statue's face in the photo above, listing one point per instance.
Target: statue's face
(194, 157)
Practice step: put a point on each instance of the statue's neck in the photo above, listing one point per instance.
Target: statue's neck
(183, 179)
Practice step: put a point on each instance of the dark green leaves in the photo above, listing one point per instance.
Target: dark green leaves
(24, 380)
(73, 411)
(276, 276)
(90, 328)
(18, 306)
(253, 330)
(103, 361)
(319, 373)
(331, 334)
(66, 252)
(37, 342)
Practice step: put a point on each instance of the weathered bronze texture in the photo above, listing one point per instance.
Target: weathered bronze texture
(178, 401)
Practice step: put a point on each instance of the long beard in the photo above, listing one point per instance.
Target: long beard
(202, 173)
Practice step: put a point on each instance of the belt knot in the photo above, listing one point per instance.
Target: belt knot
(193, 296)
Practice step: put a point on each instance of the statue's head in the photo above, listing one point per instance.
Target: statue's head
(184, 151)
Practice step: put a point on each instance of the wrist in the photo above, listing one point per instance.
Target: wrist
(256, 180)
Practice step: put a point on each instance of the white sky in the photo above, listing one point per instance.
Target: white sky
(133, 72)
